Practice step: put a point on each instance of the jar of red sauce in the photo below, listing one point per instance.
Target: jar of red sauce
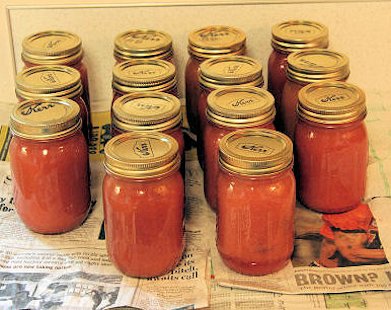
(56, 47)
(49, 165)
(256, 200)
(288, 37)
(144, 75)
(230, 109)
(307, 67)
(53, 81)
(205, 43)
(332, 146)
(143, 44)
(143, 199)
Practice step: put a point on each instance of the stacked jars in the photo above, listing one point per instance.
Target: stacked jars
(143, 199)
(206, 43)
(230, 109)
(307, 67)
(288, 37)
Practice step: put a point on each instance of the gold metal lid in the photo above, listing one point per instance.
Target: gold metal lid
(142, 43)
(255, 152)
(214, 41)
(296, 35)
(52, 47)
(141, 155)
(317, 65)
(331, 103)
(231, 70)
(240, 107)
(48, 81)
(146, 111)
(144, 75)
(45, 118)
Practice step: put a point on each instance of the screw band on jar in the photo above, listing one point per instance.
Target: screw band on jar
(316, 65)
(43, 119)
(143, 43)
(146, 111)
(240, 107)
(255, 152)
(46, 81)
(295, 35)
(141, 155)
(214, 41)
(52, 48)
(147, 74)
(231, 70)
(331, 103)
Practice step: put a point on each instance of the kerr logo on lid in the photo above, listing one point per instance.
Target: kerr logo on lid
(142, 37)
(241, 102)
(54, 43)
(143, 149)
(333, 98)
(37, 107)
(256, 148)
(233, 69)
(213, 35)
(50, 78)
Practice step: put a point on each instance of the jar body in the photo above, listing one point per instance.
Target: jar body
(211, 148)
(331, 165)
(192, 92)
(144, 223)
(51, 182)
(255, 221)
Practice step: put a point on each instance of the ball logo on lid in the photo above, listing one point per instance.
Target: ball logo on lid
(50, 78)
(242, 102)
(147, 106)
(255, 148)
(333, 98)
(143, 148)
(213, 35)
(310, 63)
(139, 38)
(300, 31)
(37, 107)
(52, 44)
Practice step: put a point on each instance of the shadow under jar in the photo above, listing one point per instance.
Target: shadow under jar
(256, 201)
(230, 109)
(49, 165)
(143, 199)
(332, 146)
(288, 37)
(55, 47)
(143, 44)
(144, 75)
(205, 43)
(53, 81)
(307, 67)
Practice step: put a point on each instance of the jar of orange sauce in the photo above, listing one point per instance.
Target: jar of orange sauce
(143, 199)
(332, 146)
(256, 199)
(56, 47)
(230, 109)
(53, 81)
(205, 43)
(144, 75)
(288, 37)
(49, 165)
(143, 44)
(307, 67)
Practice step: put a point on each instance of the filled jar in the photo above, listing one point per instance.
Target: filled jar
(143, 44)
(205, 43)
(53, 81)
(332, 146)
(144, 75)
(307, 67)
(288, 37)
(143, 200)
(230, 109)
(255, 201)
(55, 47)
(49, 165)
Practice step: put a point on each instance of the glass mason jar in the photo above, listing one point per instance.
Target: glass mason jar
(49, 165)
(205, 43)
(307, 67)
(53, 81)
(222, 72)
(143, 200)
(144, 75)
(230, 109)
(332, 146)
(256, 200)
(288, 37)
(55, 47)
(143, 44)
